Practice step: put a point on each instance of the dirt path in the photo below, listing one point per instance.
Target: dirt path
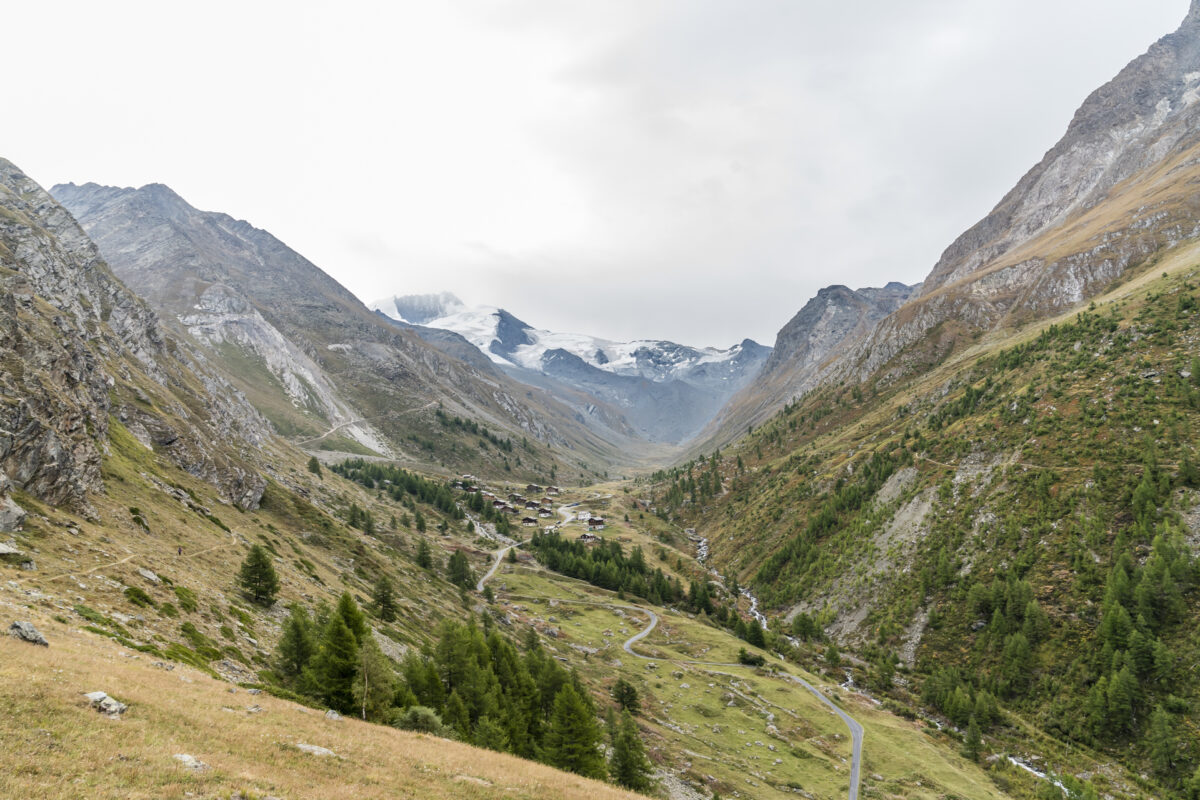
(856, 729)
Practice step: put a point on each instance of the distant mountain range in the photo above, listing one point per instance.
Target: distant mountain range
(668, 392)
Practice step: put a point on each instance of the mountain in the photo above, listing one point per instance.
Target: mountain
(1111, 195)
(666, 391)
(996, 485)
(836, 319)
(325, 370)
(82, 354)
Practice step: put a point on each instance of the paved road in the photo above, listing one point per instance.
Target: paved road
(500, 554)
(856, 729)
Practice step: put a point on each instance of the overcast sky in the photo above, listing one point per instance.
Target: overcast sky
(692, 170)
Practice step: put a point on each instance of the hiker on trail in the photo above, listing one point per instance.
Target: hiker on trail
(181, 550)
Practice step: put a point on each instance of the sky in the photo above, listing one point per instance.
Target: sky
(692, 170)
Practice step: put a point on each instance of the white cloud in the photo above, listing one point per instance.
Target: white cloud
(697, 169)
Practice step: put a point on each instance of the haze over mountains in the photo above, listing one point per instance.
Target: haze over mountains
(643, 378)
(969, 508)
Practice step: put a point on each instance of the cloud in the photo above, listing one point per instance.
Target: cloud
(629, 168)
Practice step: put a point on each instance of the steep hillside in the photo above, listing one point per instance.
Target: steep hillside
(1115, 191)
(1021, 522)
(79, 350)
(327, 372)
(829, 324)
(665, 392)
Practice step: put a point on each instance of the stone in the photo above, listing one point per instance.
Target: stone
(11, 515)
(331, 714)
(315, 750)
(106, 705)
(27, 633)
(254, 691)
(190, 762)
(148, 575)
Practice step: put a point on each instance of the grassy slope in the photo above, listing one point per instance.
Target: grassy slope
(56, 746)
(1074, 402)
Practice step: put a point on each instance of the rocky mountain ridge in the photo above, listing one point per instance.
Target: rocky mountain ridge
(836, 319)
(666, 391)
(312, 357)
(80, 349)
(1113, 193)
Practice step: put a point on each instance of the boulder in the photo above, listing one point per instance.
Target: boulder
(315, 750)
(148, 575)
(106, 705)
(11, 515)
(27, 633)
(331, 714)
(190, 762)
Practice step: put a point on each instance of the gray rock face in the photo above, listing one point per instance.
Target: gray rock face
(11, 514)
(250, 300)
(76, 345)
(827, 326)
(106, 705)
(1114, 191)
(27, 633)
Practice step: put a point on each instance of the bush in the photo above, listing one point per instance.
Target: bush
(421, 719)
(138, 597)
(750, 659)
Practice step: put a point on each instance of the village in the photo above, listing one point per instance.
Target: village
(531, 510)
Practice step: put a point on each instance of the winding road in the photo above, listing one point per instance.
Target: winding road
(856, 729)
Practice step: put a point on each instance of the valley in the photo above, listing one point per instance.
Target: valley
(941, 541)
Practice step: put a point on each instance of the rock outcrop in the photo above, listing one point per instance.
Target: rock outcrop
(78, 348)
(1116, 190)
(827, 326)
(283, 329)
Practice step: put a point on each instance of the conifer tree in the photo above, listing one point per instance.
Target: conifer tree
(491, 735)
(459, 570)
(424, 556)
(628, 765)
(457, 716)
(974, 740)
(297, 645)
(573, 737)
(314, 466)
(257, 577)
(353, 616)
(331, 676)
(384, 598)
(626, 696)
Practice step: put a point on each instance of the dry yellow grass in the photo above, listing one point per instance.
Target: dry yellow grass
(56, 746)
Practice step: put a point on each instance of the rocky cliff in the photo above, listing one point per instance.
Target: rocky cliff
(826, 327)
(78, 348)
(1112, 194)
(310, 356)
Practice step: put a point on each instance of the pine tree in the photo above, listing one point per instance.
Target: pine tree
(459, 570)
(297, 645)
(314, 466)
(573, 737)
(1163, 744)
(974, 740)
(491, 735)
(257, 577)
(331, 675)
(754, 634)
(626, 696)
(424, 556)
(628, 765)
(353, 616)
(384, 598)
(457, 716)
